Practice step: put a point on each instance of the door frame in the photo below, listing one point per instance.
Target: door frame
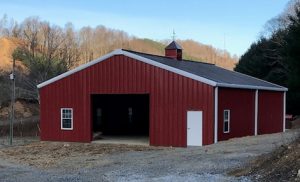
(192, 118)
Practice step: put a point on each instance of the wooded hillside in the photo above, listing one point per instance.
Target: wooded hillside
(80, 46)
(43, 50)
(275, 57)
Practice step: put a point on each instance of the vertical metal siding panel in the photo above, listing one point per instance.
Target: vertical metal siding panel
(108, 74)
(133, 77)
(164, 90)
(152, 109)
(86, 120)
(241, 103)
(270, 112)
(138, 76)
(129, 75)
(170, 96)
(56, 110)
(43, 121)
(81, 80)
(155, 108)
(169, 105)
(145, 78)
(190, 87)
(85, 103)
(103, 78)
(210, 127)
(47, 109)
(175, 107)
(165, 135)
(121, 70)
(100, 80)
(111, 75)
(91, 78)
(160, 128)
(202, 106)
(179, 133)
(206, 113)
(130, 80)
(168, 101)
(185, 93)
(195, 95)
(118, 73)
(160, 124)
(113, 66)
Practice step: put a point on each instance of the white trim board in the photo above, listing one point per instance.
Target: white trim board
(256, 113)
(216, 115)
(160, 65)
(227, 85)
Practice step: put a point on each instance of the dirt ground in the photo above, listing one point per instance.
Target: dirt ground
(59, 161)
(280, 165)
(50, 154)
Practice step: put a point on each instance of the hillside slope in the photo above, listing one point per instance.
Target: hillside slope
(7, 47)
(192, 50)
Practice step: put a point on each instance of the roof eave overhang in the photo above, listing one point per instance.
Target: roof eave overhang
(283, 89)
(79, 68)
(134, 56)
(160, 65)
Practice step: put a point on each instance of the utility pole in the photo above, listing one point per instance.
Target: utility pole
(11, 125)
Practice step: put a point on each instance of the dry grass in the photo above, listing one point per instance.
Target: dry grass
(50, 154)
(7, 46)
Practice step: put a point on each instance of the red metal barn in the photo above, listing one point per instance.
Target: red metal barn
(175, 102)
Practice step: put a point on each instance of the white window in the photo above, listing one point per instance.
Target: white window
(66, 118)
(226, 124)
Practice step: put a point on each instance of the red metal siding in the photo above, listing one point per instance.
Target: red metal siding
(241, 104)
(172, 53)
(171, 96)
(270, 112)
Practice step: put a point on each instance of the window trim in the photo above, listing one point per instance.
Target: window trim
(61, 119)
(228, 120)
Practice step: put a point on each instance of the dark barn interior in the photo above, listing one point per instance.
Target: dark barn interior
(121, 114)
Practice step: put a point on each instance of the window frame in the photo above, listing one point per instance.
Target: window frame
(226, 120)
(62, 118)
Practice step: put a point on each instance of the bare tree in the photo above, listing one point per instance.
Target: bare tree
(30, 29)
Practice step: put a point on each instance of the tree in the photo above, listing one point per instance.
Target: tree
(40, 68)
(292, 56)
(276, 58)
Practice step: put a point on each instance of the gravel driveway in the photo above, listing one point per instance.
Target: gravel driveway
(208, 163)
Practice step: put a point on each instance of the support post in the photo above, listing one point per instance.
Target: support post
(256, 113)
(216, 115)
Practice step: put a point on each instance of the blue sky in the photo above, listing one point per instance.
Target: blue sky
(206, 21)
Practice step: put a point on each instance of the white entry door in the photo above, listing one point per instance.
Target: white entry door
(194, 128)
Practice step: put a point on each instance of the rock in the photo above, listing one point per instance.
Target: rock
(298, 175)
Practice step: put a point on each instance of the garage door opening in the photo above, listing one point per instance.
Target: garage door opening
(120, 118)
